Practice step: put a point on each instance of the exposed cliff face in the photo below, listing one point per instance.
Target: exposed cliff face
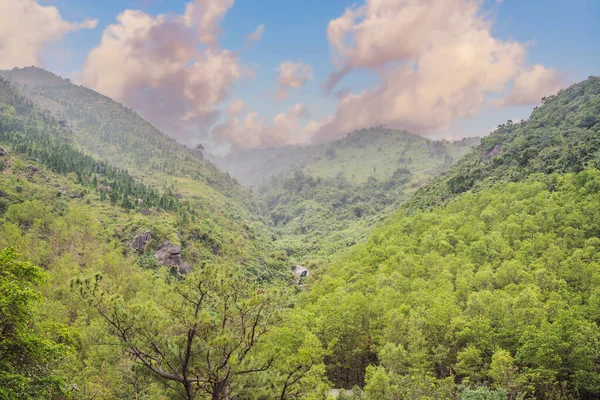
(140, 241)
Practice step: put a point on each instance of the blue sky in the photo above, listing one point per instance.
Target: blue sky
(558, 34)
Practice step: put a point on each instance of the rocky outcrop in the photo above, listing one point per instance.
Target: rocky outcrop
(3, 153)
(169, 255)
(140, 241)
(300, 272)
(493, 152)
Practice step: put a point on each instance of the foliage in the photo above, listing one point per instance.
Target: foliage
(27, 356)
(317, 211)
(200, 333)
(485, 286)
(496, 288)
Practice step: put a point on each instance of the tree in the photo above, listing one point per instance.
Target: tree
(201, 334)
(26, 357)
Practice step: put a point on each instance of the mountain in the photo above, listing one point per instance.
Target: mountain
(458, 270)
(361, 154)
(86, 247)
(326, 198)
(117, 135)
(560, 136)
(225, 213)
(484, 284)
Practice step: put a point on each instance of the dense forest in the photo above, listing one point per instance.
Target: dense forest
(491, 287)
(132, 268)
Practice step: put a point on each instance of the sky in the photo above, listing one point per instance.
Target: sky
(235, 74)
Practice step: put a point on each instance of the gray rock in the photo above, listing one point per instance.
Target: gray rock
(140, 241)
(184, 269)
(3, 153)
(169, 255)
(7, 163)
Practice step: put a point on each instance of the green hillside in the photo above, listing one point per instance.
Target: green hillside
(433, 275)
(344, 188)
(560, 136)
(361, 154)
(380, 152)
(491, 292)
(113, 133)
(81, 265)
(103, 130)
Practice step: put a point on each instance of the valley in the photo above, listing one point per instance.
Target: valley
(438, 269)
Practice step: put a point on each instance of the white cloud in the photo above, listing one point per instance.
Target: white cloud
(206, 16)
(159, 66)
(531, 85)
(437, 61)
(27, 27)
(236, 107)
(292, 75)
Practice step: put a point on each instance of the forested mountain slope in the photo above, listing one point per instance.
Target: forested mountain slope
(226, 215)
(360, 155)
(97, 272)
(560, 136)
(117, 135)
(55, 341)
(492, 291)
(344, 188)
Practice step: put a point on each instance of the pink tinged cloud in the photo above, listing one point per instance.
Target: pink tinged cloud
(437, 61)
(531, 85)
(27, 27)
(292, 76)
(256, 36)
(167, 67)
(206, 16)
(236, 107)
